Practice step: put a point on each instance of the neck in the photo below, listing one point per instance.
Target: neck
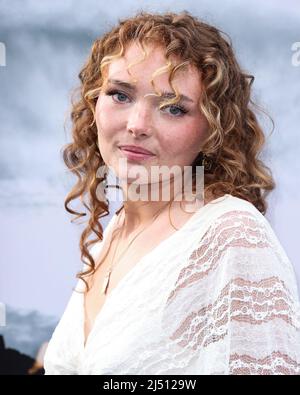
(139, 212)
(143, 202)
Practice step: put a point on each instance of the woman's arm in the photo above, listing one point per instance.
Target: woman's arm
(235, 307)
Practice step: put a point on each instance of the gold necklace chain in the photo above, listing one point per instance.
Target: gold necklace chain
(109, 271)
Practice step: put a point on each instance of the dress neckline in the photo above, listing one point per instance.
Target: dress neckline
(132, 271)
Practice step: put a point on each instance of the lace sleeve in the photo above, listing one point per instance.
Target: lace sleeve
(234, 308)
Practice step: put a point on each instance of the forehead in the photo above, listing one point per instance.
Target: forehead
(187, 80)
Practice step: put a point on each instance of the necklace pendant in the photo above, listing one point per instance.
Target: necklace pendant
(106, 282)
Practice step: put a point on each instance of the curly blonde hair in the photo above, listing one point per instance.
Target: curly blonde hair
(235, 137)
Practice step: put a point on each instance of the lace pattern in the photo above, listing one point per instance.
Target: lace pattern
(219, 297)
(237, 289)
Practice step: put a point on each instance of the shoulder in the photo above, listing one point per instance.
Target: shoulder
(232, 203)
(230, 218)
(229, 222)
(230, 212)
(236, 249)
(232, 222)
(238, 240)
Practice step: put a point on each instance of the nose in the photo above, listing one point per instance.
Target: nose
(139, 122)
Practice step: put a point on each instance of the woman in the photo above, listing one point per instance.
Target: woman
(167, 289)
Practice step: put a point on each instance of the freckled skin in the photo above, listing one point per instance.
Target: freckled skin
(134, 118)
(137, 120)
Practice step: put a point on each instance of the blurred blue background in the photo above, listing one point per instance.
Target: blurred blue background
(46, 45)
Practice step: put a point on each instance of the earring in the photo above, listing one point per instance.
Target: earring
(205, 161)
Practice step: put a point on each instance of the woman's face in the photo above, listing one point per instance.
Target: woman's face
(130, 116)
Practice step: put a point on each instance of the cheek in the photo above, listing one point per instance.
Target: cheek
(183, 141)
(106, 123)
(104, 129)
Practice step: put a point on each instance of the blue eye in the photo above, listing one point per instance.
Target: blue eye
(181, 109)
(115, 92)
(171, 107)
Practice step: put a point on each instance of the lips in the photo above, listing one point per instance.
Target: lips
(136, 149)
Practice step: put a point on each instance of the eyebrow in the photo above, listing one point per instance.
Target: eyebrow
(165, 95)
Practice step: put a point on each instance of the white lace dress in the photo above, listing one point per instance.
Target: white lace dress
(219, 296)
